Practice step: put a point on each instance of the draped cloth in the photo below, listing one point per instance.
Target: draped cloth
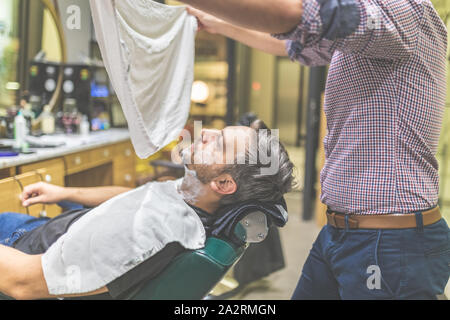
(148, 50)
(118, 235)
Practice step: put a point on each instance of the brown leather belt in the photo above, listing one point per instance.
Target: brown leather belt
(389, 221)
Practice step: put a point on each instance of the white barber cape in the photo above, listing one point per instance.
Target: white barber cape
(148, 49)
(115, 237)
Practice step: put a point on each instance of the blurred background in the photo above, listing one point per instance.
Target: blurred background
(54, 76)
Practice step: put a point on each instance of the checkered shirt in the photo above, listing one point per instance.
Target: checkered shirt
(384, 100)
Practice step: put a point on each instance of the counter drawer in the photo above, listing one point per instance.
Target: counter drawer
(125, 177)
(101, 155)
(53, 174)
(54, 170)
(124, 149)
(10, 192)
(124, 156)
(27, 179)
(77, 162)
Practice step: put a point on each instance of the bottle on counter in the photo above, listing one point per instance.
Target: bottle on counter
(20, 131)
(3, 128)
(67, 123)
(36, 105)
(75, 119)
(85, 126)
(28, 114)
(3, 123)
(59, 123)
(48, 121)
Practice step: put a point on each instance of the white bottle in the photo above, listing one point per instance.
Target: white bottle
(85, 126)
(48, 121)
(20, 130)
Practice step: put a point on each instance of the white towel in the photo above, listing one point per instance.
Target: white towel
(148, 49)
(115, 237)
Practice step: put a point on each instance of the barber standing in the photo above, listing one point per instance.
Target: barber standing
(384, 103)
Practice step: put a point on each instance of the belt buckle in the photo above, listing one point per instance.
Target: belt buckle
(353, 223)
(331, 217)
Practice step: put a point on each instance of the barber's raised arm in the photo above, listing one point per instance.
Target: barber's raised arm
(274, 16)
(255, 39)
(373, 29)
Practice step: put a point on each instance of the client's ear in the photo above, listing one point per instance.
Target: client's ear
(224, 184)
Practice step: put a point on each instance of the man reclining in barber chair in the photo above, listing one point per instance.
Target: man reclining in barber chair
(130, 237)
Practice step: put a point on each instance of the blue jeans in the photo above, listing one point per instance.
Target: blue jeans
(15, 225)
(360, 264)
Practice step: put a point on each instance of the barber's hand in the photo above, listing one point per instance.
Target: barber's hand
(42, 192)
(206, 21)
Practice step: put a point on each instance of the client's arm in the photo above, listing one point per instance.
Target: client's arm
(90, 197)
(22, 277)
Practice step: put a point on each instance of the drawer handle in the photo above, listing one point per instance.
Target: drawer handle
(127, 152)
(77, 160)
(48, 178)
(128, 177)
(106, 153)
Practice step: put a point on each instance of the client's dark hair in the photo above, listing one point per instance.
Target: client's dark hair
(251, 184)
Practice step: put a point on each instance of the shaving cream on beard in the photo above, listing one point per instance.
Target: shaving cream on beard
(191, 188)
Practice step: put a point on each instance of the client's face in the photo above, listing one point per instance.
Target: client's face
(215, 149)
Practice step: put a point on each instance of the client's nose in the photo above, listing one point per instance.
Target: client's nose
(209, 135)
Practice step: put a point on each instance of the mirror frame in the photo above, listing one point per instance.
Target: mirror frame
(52, 6)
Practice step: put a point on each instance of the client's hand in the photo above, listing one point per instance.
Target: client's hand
(42, 193)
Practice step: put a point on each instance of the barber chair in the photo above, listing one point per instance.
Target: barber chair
(193, 274)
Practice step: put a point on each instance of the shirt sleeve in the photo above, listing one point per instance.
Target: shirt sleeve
(381, 29)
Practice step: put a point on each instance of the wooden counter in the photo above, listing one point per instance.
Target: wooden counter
(101, 159)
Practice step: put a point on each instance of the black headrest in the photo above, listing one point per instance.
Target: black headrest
(227, 217)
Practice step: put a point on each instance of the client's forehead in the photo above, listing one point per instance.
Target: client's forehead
(234, 130)
(237, 132)
(235, 137)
